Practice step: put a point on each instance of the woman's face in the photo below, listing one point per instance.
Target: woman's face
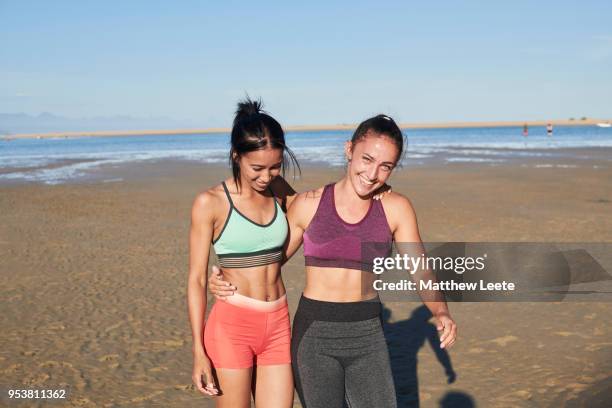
(258, 168)
(371, 161)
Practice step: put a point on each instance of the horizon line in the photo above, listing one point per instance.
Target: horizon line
(306, 128)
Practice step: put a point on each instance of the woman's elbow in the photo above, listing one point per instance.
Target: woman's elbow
(196, 281)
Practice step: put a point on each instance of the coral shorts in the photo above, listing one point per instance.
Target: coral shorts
(242, 331)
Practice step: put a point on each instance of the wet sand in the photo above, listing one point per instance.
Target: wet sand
(94, 280)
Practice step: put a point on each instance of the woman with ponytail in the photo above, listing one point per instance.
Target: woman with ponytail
(244, 345)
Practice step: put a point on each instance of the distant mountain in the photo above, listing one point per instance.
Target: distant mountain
(12, 123)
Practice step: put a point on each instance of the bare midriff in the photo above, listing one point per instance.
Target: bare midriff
(261, 282)
(338, 284)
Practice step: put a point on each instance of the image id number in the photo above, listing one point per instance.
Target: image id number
(36, 394)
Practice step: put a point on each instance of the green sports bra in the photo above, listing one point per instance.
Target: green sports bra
(243, 243)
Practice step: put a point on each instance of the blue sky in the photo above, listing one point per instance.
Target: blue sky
(314, 62)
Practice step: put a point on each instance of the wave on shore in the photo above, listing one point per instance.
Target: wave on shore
(60, 160)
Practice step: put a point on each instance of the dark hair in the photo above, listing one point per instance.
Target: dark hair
(380, 125)
(254, 129)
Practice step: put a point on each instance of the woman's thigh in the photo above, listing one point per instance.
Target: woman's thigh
(274, 386)
(235, 387)
(319, 377)
(369, 381)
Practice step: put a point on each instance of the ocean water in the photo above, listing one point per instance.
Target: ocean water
(60, 160)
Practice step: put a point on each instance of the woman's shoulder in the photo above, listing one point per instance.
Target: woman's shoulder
(206, 201)
(395, 203)
(307, 202)
(401, 217)
(212, 194)
(305, 206)
(311, 196)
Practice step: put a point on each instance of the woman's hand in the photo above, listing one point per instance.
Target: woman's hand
(202, 375)
(381, 191)
(448, 328)
(219, 287)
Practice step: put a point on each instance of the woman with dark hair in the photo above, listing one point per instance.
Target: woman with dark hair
(244, 221)
(339, 353)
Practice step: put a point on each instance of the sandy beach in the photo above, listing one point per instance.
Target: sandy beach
(94, 281)
(307, 128)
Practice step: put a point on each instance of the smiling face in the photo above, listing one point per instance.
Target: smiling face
(258, 168)
(371, 161)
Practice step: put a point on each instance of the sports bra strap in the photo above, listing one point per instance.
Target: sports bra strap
(231, 203)
(283, 203)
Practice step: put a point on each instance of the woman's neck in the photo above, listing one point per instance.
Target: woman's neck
(345, 189)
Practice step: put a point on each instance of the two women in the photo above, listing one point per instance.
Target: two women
(338, 349)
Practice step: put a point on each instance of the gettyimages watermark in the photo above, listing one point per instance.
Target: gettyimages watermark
(488, 272)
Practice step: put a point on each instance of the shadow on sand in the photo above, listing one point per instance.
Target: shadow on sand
(404, 339)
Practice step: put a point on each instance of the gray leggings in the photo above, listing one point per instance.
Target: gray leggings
(340, 356)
